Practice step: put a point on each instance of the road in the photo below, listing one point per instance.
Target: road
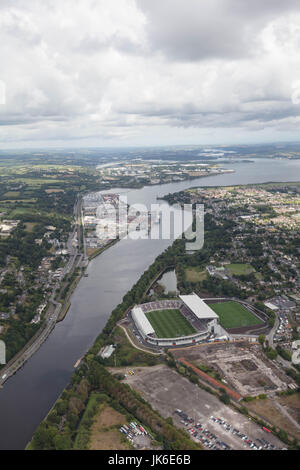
(76, 260)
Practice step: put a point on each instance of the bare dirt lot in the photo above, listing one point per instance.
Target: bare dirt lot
(108, 440)
(106, 435)
(242, 365)
(277, 414)
(104, 438)
(292, 405)
(166, 391)
(109, 417)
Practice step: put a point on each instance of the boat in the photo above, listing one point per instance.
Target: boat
(77, 363)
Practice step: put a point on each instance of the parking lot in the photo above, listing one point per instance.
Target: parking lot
(214, 442)
(202, 414)
(137, 435)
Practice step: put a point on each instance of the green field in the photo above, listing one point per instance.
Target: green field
(238, 269)
(234, 315)
(195, 274)
(11, 194)
(169, 323)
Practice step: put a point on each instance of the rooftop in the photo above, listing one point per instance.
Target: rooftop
(141, 319)
(198, 306)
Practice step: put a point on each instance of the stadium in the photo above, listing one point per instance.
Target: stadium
(181, 322)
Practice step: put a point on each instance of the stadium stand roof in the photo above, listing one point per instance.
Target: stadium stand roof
(142, 321)
(198, 306)
(271, 306)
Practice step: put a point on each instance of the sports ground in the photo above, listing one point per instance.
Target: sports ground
(169, 323)
(238, 269)
(234, 315)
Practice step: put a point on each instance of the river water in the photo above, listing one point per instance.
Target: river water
(27, 397)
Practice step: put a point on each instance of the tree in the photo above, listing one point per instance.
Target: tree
(61, 407)
(271, 353)
(225, 398)
(43, 438)
(262, 339)
(62, 442)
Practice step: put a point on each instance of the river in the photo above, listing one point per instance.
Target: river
(27, 397)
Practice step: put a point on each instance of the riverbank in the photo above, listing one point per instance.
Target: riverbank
(99, 251)
(56, 305)
(28, 395)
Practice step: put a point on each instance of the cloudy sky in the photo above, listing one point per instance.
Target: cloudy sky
(148, 72)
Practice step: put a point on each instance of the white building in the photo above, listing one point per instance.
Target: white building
(142, 323)
(198, 307)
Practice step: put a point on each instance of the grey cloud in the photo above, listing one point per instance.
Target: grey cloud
(65, 81)
(266, 112)
(195, 30)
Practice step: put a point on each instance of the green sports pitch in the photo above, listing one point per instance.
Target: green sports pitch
(234, 315)
(169, 323)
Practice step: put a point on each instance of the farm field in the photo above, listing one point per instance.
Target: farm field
(11, 194)
(36, 182)
(169, 323)
(234, 315)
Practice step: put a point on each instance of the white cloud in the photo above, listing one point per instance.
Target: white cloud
(126, 72)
